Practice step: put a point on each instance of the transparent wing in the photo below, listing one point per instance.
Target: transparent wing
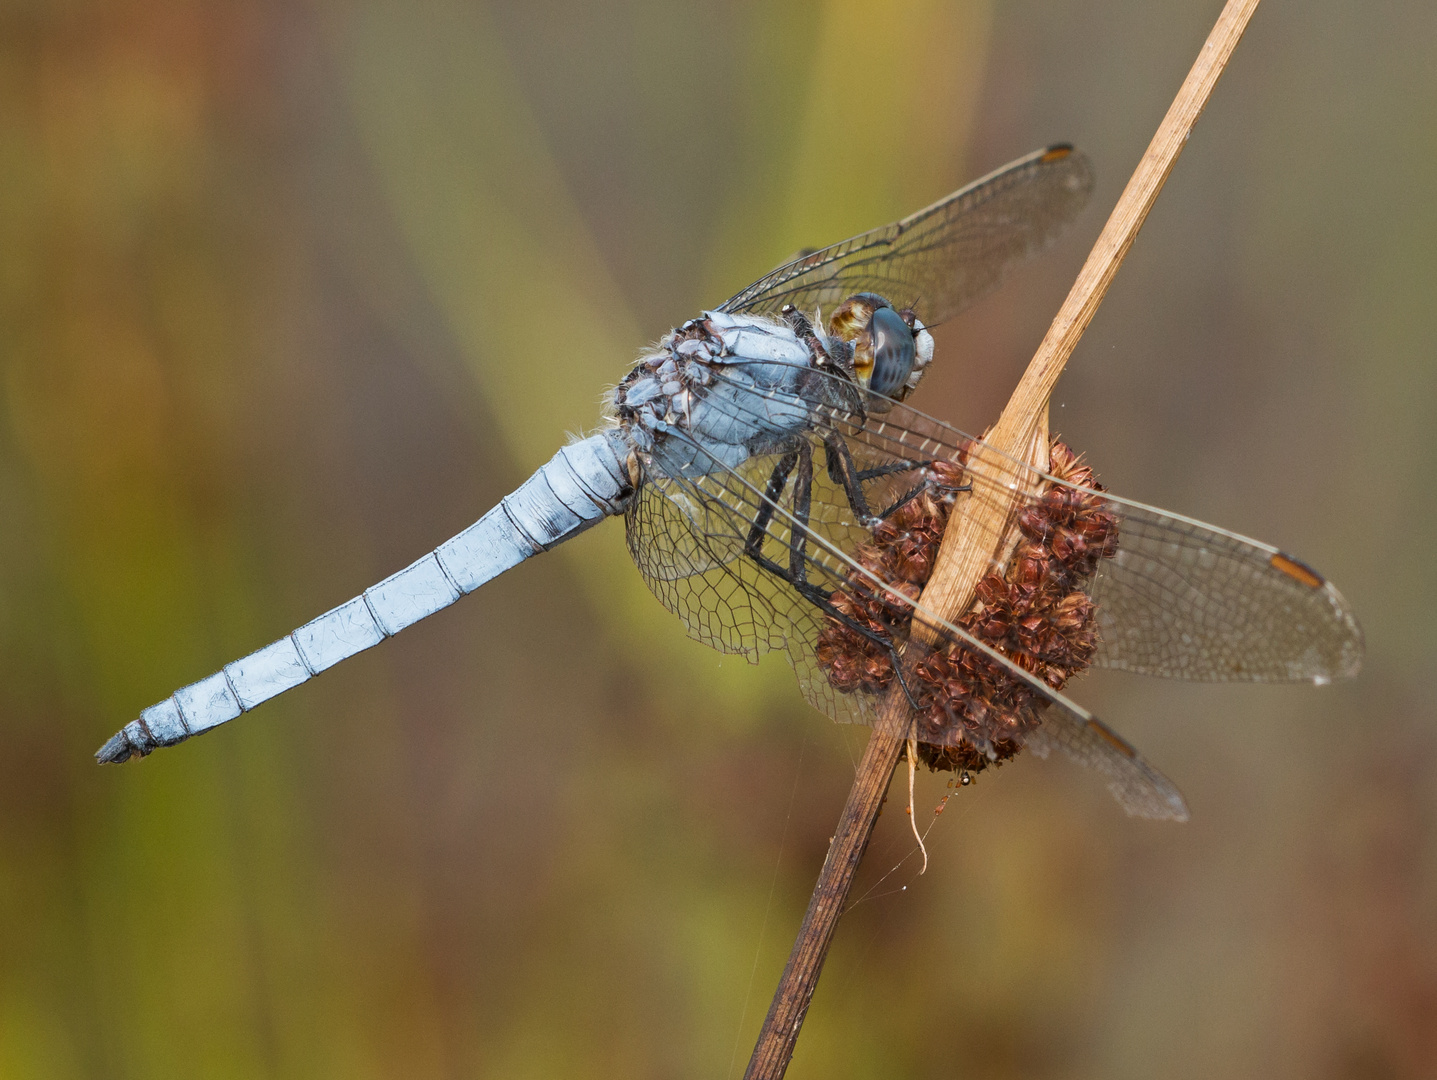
(1139, 788)
(940, 259)
(695, 543)
(671, 535)
(796, 585)
(692, 564)
(1179, 598)
(1191, 601)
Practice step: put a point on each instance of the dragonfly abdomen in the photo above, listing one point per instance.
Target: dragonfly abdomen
(581, 485)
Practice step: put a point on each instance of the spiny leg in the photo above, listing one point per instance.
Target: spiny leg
(895, 660)
(892, 467)
(914, 492)
(796, 573)
(802, 505)
(823, 600)
(844, 471)
(903, 500)
(777, 480)
(841, 462)
(802, 457)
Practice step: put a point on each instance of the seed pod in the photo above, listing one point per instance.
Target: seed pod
(972, 713)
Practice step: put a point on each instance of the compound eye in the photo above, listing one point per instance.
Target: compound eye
(893, 351)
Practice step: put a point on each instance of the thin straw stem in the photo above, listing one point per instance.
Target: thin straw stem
(977, 533)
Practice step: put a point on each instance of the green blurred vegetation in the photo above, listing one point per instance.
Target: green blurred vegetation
(289, 293)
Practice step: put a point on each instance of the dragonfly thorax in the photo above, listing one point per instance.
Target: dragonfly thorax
(688, 403)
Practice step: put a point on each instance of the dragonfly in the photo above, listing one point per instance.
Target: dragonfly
(780, 496)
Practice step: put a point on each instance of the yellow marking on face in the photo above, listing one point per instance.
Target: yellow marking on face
(850, 318)
(849, 322)
(863, 361)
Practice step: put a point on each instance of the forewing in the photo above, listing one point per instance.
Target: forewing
(942, 258)
(1191, 601)
(1180, 599)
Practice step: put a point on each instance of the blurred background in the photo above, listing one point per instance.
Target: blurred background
(292, 292)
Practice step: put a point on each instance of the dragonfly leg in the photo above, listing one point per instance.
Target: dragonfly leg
(917, 489)
(903, 500)
(796, 573)
(802, 504)
(815, 595)
(891, 468)
(898, 671)
(777, 481)
(843, 471)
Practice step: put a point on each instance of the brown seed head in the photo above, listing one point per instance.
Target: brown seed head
(971, 712)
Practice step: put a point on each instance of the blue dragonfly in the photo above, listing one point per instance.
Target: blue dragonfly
(779, 495)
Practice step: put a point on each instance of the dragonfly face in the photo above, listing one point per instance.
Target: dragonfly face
(779, 495)
(889, 350)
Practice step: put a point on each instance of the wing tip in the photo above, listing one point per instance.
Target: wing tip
(1168, 806)
(1074, 164)
(1172, 805)
(1177, 806)
(1354, 649)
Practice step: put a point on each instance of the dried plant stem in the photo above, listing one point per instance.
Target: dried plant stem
(978, 536)
(845, 851)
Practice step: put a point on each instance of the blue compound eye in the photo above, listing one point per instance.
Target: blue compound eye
(893, 351)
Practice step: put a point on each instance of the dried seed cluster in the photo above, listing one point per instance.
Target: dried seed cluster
(972, 713)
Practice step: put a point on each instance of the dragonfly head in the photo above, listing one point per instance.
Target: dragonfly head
(891, 349)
